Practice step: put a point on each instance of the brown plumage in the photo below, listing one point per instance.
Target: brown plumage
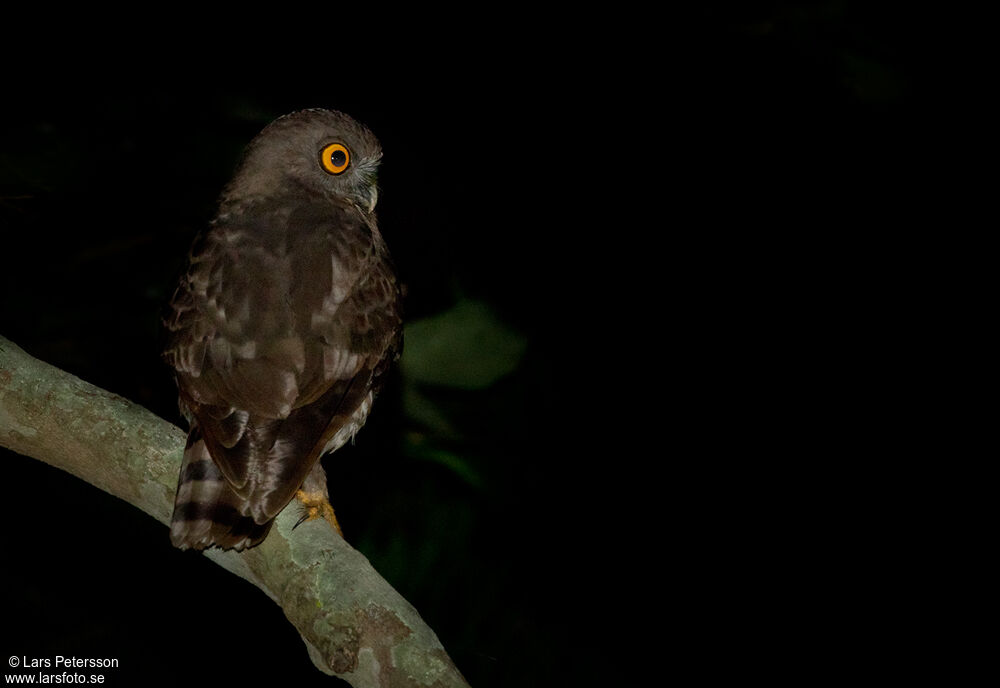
(282, 328)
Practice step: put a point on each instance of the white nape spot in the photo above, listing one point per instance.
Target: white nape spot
(338, 290)
(246, 349)
(339, 364)
(220, 311)
(289, 393)
(319, 320)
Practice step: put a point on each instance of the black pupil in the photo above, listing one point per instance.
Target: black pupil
(338, 158)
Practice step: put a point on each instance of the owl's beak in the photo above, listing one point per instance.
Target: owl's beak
(368, 182)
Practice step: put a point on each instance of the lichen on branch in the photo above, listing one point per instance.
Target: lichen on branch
(354, 624)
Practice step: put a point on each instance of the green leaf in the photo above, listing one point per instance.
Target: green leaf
(467, 347)
(425, 412)
(418, 447)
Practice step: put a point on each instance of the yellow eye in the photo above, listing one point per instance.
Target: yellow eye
(335, 158)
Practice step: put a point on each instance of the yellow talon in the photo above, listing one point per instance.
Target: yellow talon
(317, 506)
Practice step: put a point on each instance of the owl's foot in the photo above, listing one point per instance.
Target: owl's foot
(317, 506)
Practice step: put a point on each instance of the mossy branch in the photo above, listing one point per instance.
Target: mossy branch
(354, 624)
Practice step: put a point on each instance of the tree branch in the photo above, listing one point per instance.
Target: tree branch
(354, 624)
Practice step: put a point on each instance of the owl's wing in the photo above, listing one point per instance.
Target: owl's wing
(277, 339)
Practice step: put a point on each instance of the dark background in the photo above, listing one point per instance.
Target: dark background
(632, 199)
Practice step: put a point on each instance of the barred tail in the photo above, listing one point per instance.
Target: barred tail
(207, 512)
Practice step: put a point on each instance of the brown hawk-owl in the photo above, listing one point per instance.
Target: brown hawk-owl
(281, 330)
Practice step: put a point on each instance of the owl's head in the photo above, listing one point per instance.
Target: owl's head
(316, 153)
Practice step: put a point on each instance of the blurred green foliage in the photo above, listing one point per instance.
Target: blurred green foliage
(466, 347)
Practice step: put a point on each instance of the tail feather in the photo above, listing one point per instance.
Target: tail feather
(207, 512)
